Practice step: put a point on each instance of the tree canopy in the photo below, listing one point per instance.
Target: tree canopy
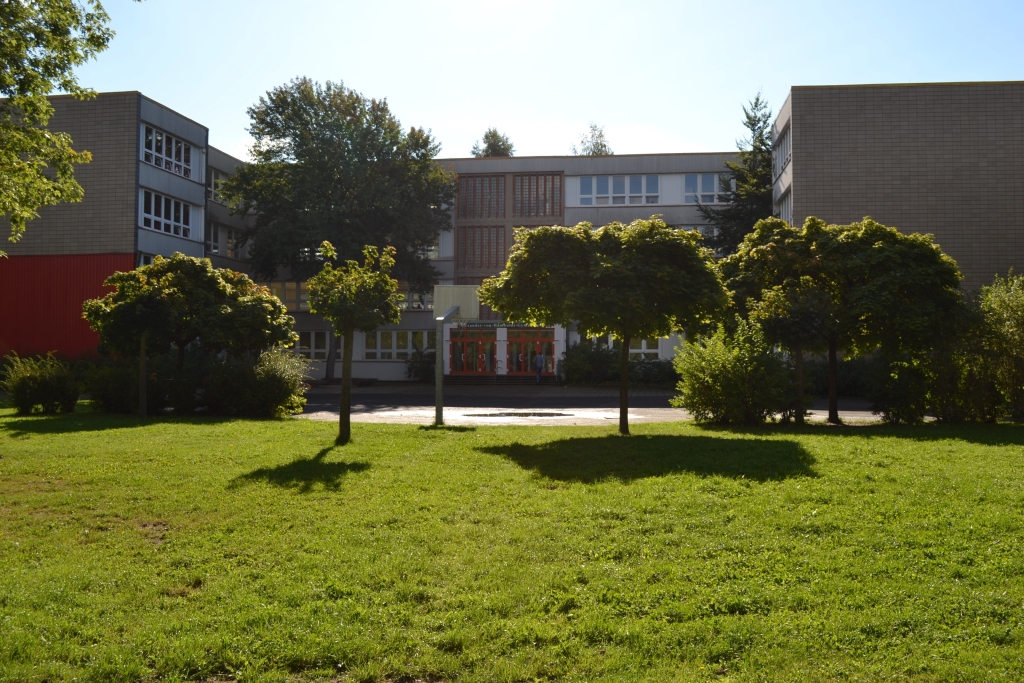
(354, 297)
(41, 43)
(749, 194)
(644, 279)
(332, 165)
(593, 143)
(857, 287)
(494, 144)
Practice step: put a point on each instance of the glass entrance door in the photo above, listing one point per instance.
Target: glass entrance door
(472, 351)
(525, 344)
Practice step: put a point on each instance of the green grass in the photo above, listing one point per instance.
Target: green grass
(191, 550)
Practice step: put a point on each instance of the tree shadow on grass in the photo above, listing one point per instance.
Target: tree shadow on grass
(303, 474)
(21, 426)
(590, 460)
(980, 434)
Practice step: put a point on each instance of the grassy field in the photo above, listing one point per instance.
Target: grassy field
(192, 550)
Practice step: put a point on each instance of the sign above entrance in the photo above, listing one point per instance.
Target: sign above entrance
(488, 325)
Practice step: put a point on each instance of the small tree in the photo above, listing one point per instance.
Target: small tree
(354, 297)
(593, 143)
(494, 144)
(749, 197)
(638, 280)
(174, 302)
(1002, 304)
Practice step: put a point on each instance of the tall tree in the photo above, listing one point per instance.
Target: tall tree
(638, 280)
(332, 165)
(857, 287)
(354, 297)
(494, 144)
(41, 43)
(748, 193)
(593, 143)
(176, 301)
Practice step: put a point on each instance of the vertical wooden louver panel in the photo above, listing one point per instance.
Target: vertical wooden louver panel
(537, 194)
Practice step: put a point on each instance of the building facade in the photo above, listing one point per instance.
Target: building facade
(150, 189)
(941, 158)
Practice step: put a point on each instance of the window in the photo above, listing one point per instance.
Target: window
(480, 247)
(537, 194)
(166, 151)
(294, 296)
(639, 349)
(481, 196)
(785, 206)
(213, 182)
(417, 301)
(397, 344)
(225, 241)
(705, 188)
(313, 345)
(782, 151)
(168, 215)
(618, 189)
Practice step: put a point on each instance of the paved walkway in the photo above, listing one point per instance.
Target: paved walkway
(408, 403)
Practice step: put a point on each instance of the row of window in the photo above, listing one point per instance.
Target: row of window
(225, 241)
(601, 190)
(165, 151)
(295, 297)
(480, 247)
(705, 188)
(165, 214)
(397, 344)
(646, 348)
(782, 152)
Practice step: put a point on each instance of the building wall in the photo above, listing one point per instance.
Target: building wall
(103, 222)
(41, 300)
(937, 158)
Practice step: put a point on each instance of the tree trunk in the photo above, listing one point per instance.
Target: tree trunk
(332, 354)
(344, 419)
(798, 364)
(833, 381)
(624, 388)
(142, 375)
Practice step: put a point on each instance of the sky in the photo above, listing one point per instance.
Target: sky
(658, 76)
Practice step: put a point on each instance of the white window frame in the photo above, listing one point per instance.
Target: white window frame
(646, 348)
(182, 221)
(175, 155)
(396, 345)
(720, 184)
(213, 180)
(649, 186)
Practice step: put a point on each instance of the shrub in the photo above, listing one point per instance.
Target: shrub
(42, 383)
(588, 363)
(856, 376)
(653, 373)
(900, 390)
(1002, 305)
(964, 387)
(114, 388)
(269, 386)
(732, 378)
(421, 366)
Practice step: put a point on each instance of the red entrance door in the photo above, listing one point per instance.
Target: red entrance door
(525, 344)
(472, 351)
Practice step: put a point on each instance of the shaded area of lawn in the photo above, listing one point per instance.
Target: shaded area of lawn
(593, 459)
(257, 550)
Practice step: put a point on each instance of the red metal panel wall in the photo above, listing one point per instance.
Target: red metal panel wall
(41, 301)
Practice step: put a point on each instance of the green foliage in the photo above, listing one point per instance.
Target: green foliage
(271, 386)
(494, 144)
(113, 387)
(732, 378)
(900, 393)
(330, 164)
(659, 373)
(196, 549)
(593, 143)
(421, 366)
(41, 43)
(856, 376)
(1002, 304)
(180, 300)
(750, 197)
(589, 364)
(353, 296)
(42, 384)
(644, 279)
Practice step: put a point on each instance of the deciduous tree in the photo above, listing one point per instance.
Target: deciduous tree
(494, 144)
(332, 165)
(593, 143)
(41, 43)
(638, 280)
(354, 297)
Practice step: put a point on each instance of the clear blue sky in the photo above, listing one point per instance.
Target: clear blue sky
(659, 76)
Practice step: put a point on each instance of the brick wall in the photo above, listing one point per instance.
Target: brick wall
(104, 222)
(941, 159)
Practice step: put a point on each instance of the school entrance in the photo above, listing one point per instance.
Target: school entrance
(472, 352)
(525, 344)
(476, 350)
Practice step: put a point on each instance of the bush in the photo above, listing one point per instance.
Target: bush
(1002, 305)
(421, 366)
(900, 390)
(42, 383)
(964, 387)
(732, 378)
(114, 388)
(270, 386)
(653, 373)
(587, 363)
(856, 376)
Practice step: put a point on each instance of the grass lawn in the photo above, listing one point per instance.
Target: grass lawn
(192, 550)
